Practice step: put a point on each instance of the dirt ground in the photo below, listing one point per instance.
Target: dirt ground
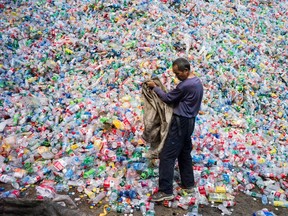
(245, 206)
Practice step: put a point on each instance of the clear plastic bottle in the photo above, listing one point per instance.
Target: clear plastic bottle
(9, 179)
(253, 194)
(10, 194)
(264, 199)
(90, 173)
(280, 203)
(143, 208)
(99, 197)
(229, 203)
(224, 210)
(194, 211)
(61, 187)
(151, 210)
(263, 212)
(113, 196)
(140, 166)
(217, 197)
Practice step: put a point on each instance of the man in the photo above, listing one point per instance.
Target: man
(186, 100)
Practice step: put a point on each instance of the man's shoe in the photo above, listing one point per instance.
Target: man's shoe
(161, 196)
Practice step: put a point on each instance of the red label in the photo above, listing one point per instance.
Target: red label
(192, 201)
(202, 190)
(58, 166)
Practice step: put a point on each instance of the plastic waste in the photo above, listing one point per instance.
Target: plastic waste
(264, 199)
(281, 203)
(10, 194)
(229, 203)
(217, 197)
(263, 212)
(194, 210)
(99, 197)
(9, 179)
(224, 210)
(71, 107)
(66, 199)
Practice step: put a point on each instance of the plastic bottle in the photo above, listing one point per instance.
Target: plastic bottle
(264, 212)
(217, 197)
(253, 194)
(45, 191)
(99, 197)
(181, 199)
(90, 173)
(88, 161)
(260, 183)
(19, 173)
(194, 211)
(113, 196)
(140, 166)
(61, 188)
(170, 204)
(151, 210)
(69, 173)
(66, 199)
(183, 206)
(89, 193)
(10, 194)
(147, 174)
(249, 186)
(224, 210)
(9, 179)
(281, 203)
(143, 208)
(264, 199)
(229, 203)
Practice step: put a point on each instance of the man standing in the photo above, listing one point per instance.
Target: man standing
(186, 101)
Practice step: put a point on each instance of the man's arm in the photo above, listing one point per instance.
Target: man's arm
(171, 97)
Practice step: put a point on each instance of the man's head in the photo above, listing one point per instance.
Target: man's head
(181, 68)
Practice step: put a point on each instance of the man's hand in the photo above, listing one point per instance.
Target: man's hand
(151, 84)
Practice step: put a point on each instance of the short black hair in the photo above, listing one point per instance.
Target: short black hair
(182, 64)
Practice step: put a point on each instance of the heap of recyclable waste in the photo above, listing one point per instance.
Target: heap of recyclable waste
(71, 104)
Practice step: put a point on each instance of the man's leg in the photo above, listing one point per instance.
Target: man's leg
(168, 155)
(184, 158)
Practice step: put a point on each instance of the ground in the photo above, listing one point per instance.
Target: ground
(245, 206)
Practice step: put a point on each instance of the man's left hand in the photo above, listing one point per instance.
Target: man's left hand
(151, 84)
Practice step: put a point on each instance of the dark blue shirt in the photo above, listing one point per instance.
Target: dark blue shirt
(185, 98)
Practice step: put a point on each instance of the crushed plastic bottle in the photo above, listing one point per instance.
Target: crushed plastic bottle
(264, 212)
(99, 197)
(224, 210)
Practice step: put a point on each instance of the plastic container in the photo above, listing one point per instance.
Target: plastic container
(217, 197)
(98, 197)
(281, 203)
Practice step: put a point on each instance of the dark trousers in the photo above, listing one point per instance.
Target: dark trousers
(178, 145)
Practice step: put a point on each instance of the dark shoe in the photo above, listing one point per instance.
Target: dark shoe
(161, 196)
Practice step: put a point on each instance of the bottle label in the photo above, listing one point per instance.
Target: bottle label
(217, 197)
(220, 189)
(281, 203)
(167, 203)
(59, 165)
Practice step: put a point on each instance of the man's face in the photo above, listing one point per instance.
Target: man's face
(181, 75)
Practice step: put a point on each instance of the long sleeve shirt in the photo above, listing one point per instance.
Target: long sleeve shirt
(186, 97)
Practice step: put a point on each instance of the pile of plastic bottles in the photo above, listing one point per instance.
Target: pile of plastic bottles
(71, 106)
